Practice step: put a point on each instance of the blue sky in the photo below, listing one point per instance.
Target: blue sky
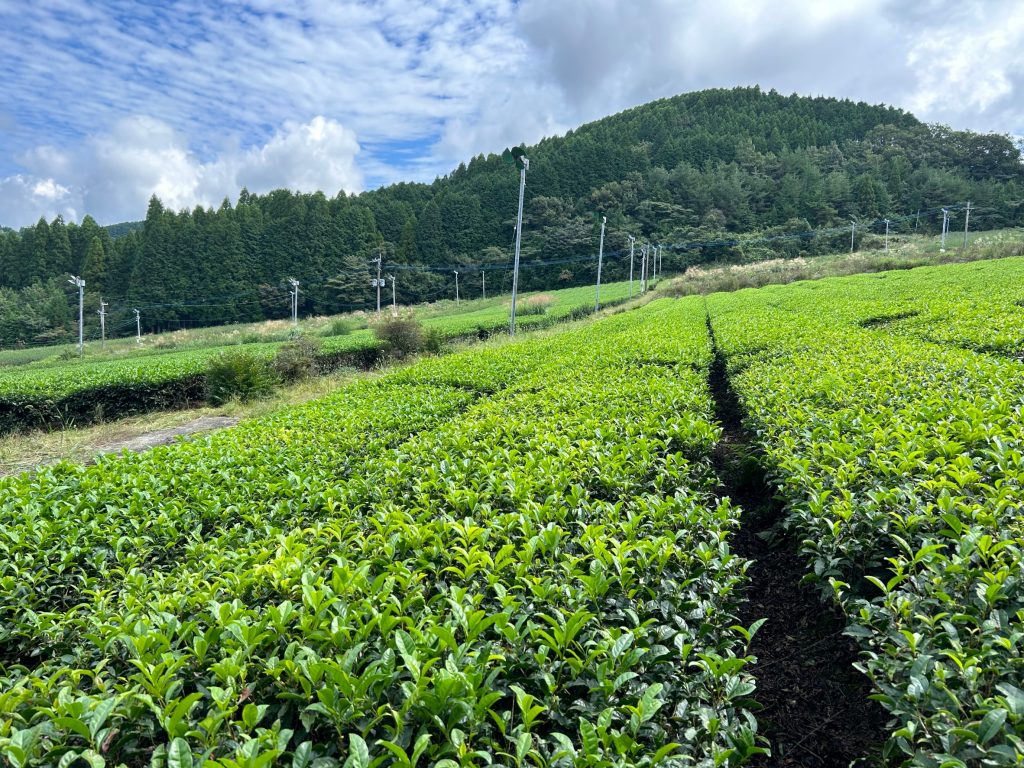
(106, 102)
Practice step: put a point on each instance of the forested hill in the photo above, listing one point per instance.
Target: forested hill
(696, 168)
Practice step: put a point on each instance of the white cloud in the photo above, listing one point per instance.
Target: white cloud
(318, 155)
(113, 175)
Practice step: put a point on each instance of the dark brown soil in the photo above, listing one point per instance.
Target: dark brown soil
(816, 713)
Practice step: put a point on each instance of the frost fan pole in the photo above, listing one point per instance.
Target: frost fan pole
(103, 323)
(295, 300)
(80, 284)
(138, 327)
(600, 259)
(378, 282)
(632, 243)
(518, 156)
(967, 220)
(643, 268)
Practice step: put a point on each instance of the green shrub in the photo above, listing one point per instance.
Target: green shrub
(241, 375)
(403, 334)
(297, 360)
(433, 341)
(340, 326)
(536, 305)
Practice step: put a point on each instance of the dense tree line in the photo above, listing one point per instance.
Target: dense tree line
(699, 167)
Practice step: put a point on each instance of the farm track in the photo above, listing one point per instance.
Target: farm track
(816, 713)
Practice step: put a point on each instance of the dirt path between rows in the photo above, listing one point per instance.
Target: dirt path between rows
(816, 711)
(157, 437)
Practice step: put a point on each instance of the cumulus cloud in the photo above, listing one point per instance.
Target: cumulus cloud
(113, 174)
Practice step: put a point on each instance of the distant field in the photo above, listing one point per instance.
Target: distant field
(167, 371)
(447, 316)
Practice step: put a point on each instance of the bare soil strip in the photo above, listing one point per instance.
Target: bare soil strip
(815, 713)
(157, 437)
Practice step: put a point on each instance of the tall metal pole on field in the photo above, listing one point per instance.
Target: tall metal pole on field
(643, 268)
(967, 220)
(80, 284)
(103, 323)
(483, 283)
(632, 243)
(394, 295)
(295, 299)
(456, 286)
(853, 232)
(524, 166)
(945, 226)
(138, 327)
(600, 261)
(378, 282)
(887, 234)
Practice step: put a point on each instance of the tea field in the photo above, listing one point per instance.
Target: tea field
(169, 372)
(511, 555)
(523, 554)
(898, 445)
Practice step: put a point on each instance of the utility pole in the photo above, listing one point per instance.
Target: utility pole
(661, 261)
(654, 264)
(138, 327)
(394, 295)
(517, 155)
(632, 243)
(378, 283)
(887, 222)
(456, 286)
(853, 232)
(600, 261)
(945, 228)
(80, 284)
(643, 268)
(102, 311)
(967, 220)
(483, 283)
(295, 300)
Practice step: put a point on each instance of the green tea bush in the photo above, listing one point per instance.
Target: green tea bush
(240, 375)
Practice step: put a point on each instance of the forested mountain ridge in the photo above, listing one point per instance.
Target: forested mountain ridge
(694, 168)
